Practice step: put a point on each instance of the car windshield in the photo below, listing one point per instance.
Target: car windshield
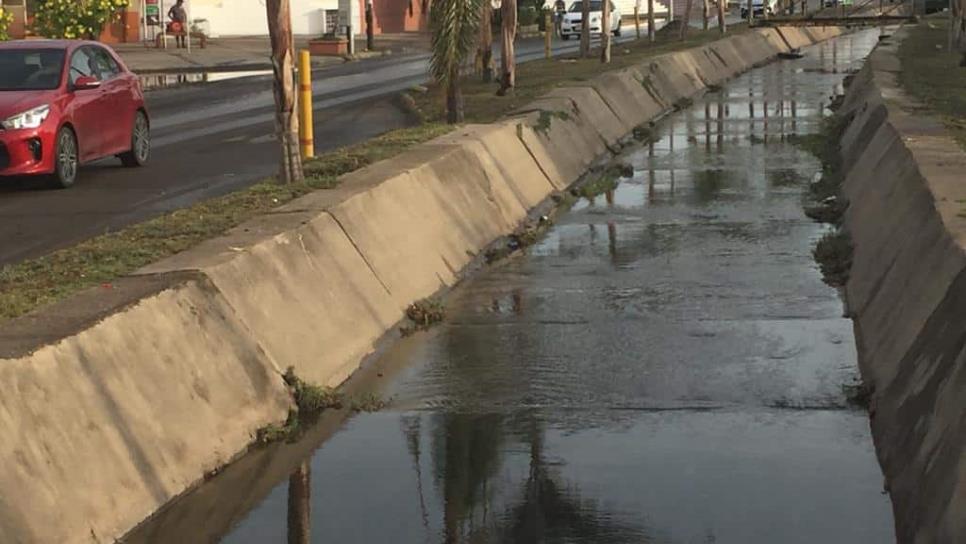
(578, 7)
(30, 69)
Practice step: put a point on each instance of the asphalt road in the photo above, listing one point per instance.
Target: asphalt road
(208, 140)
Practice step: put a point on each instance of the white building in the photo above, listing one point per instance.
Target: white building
(247, 17)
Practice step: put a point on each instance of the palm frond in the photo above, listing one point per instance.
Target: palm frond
(455, 25)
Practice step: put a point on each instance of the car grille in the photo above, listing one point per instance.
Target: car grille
(4, 157)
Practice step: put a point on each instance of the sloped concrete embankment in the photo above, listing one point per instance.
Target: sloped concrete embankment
(907, 295)
(119, 400)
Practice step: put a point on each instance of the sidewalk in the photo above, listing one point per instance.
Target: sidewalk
(244, 53)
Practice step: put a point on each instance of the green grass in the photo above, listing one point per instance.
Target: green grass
(48, 279)
(536, 78)
(933, 76)
(39, 282)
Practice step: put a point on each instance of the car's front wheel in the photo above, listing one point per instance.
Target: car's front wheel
(140, 142)
(66, 159)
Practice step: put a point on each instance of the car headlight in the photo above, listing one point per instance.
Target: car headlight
(31, 118)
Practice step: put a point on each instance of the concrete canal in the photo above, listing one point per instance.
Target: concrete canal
(665, 365)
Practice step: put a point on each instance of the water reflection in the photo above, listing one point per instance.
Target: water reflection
(299, 505)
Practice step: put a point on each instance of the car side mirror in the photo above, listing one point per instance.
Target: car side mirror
(86, 82)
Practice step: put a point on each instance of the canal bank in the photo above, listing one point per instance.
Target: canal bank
(907, 222)
(665, 365)
(129, 394)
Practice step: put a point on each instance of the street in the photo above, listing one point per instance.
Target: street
(209, 140)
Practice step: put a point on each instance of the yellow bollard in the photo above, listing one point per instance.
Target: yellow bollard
(547, 36)
(306, 129)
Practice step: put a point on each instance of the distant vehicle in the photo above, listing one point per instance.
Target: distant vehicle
(760, 7)
(64, 103)
(573, 19)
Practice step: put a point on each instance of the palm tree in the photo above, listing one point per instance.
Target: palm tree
(722, 26)
(585, 29)
(605, 32)
(454, 24)
(508, 77)
(283, 67)
(686, 22)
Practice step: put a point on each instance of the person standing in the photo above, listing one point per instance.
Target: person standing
(179, 23)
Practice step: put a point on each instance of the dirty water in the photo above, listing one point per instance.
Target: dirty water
(664, 366)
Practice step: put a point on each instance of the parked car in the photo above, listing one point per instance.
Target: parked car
(760, 6)
(573, 20)
(65, 103)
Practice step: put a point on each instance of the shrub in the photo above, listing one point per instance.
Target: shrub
(6, 19)
(527, 16)
(75, 19)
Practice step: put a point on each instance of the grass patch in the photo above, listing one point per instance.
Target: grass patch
(824, 201)
(933, 76)
(310, 401)
(51, 278)
(833, 252)
(423, 314)
(608, 180)
(536, 78)
(858, 394)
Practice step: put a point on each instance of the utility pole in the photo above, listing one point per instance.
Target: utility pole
(283, 68)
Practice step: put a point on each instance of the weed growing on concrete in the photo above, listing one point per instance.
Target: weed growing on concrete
(824, 201)
(643, 133)
(310, 401)
(423, 314)
(683, 104)
(834, 256)
(367, 402)
(607, 181)
(546, 119)
(859, 394)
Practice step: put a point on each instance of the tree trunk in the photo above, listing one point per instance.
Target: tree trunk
(585, 29)
(722, 25)
(605, 32)
(706, 14)
(686, 22)
(299, 504)
(751, 12)
(650, 21)
(370, 29)
(485, 53)
(508, 77)
(454, 99)
(283, 67)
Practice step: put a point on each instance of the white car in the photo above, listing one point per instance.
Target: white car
(573, 20)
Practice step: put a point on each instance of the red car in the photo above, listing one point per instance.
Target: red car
(65, 103)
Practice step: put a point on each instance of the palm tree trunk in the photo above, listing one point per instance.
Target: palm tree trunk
(605, 33)
(508, 78)
(585, 29)
(283, 67)
(686, 22)
(650, 21)
(455, 112)
(722, 25)
(486, 42)
(751, 12)
(706, 14)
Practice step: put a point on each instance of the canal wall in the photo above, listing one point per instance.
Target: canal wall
(907, 296)
(123, 397)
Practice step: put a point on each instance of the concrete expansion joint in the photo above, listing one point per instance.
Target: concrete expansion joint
(361, 254)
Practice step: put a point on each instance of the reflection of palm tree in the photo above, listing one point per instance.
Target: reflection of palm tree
(299, 505)
(412, 426)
